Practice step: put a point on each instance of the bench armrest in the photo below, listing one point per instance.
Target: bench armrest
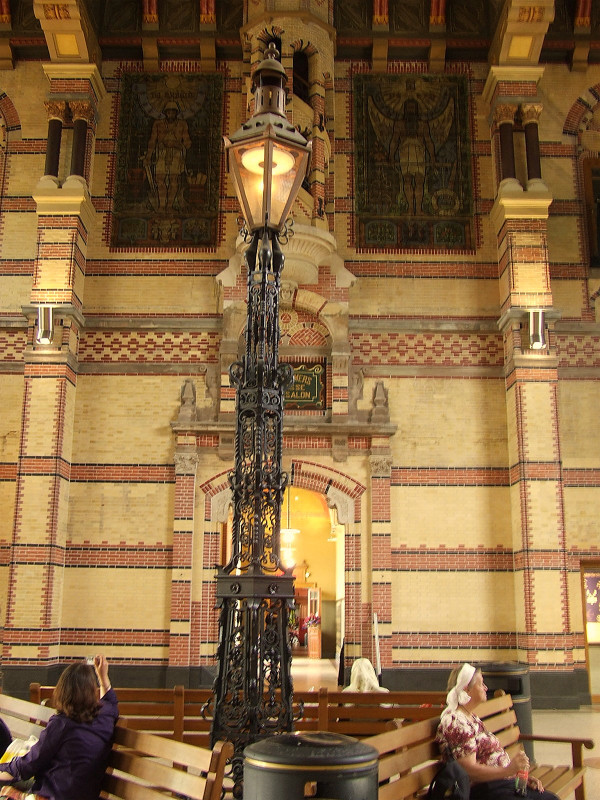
(576, 744)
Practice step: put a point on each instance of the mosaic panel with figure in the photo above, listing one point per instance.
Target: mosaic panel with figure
(168, 161)
(413, 185)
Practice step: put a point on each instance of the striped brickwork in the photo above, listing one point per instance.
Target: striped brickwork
(468, 507)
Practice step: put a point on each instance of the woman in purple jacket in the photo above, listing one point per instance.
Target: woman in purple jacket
(69, 760)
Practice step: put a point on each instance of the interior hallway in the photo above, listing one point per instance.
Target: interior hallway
(585, 723)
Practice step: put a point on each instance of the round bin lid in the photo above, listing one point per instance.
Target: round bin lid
(310, 749)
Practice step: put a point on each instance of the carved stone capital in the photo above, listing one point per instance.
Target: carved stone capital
(56, 109)
(82, 109)
(186, 463)
(531, 112)
(505, 112)
(381, 466)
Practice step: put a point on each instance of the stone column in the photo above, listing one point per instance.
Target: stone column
(504, 119)
(530, 115)
(65, 216)
(83, 116)
(56, 111)
(543, 634)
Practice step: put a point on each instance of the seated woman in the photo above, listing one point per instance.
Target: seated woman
(69, 760)
(462, 735)
(363, 678)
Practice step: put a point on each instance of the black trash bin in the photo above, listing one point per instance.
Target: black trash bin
(513, 678)
(322, 765)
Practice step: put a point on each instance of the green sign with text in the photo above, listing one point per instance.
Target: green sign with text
(308, 390)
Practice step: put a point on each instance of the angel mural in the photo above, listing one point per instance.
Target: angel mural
(412, 137)
(412, 161)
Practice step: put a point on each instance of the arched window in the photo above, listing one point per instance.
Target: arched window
(277, 41)
(300, 74)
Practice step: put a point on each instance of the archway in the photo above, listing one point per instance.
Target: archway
(342, 495)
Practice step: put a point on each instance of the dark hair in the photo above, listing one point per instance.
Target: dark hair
(76, 693)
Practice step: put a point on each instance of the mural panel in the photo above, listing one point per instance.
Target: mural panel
(413, 185)
(168, 161)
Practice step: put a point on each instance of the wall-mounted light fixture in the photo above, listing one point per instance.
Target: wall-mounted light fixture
(45, 325)
(537, 329)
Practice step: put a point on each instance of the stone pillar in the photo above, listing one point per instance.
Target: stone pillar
(543, 634)
(180, 630)
(65, 216)
(56, 111)
(83, 116)
(504, 118)
(530, 115)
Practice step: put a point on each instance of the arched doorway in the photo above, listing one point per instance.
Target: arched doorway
(312, 542)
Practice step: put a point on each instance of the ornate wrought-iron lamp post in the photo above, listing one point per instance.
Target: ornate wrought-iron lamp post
(268, 160)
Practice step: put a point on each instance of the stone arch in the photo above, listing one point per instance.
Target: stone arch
(10, 117)
(579, 115)
(583, 121)
(342, 492)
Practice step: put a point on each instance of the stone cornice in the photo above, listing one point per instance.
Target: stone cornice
(497, 75)
(520, 205)
(55, 71)
(295, 425)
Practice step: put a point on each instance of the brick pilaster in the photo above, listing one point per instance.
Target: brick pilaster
(381, 553)
(180, 629)
(543, 635)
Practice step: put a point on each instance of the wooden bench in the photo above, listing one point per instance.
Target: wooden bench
(24, 719)
(186, 714)
(141, 766)
(409, 756)
(362, 714)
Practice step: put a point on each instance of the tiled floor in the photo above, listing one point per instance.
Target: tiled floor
(584, 723)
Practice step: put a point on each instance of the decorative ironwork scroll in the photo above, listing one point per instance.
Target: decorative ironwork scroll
(253, 688)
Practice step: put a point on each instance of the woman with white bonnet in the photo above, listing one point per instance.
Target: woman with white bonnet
(363, 678)
(461, 735)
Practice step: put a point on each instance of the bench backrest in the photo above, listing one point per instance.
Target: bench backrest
(409, 756)
(143, 766)
(186, 714)
(499, 717)
(408, 759)
(157, 711)
(24, 719)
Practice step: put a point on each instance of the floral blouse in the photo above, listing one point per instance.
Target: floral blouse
(459, 735)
